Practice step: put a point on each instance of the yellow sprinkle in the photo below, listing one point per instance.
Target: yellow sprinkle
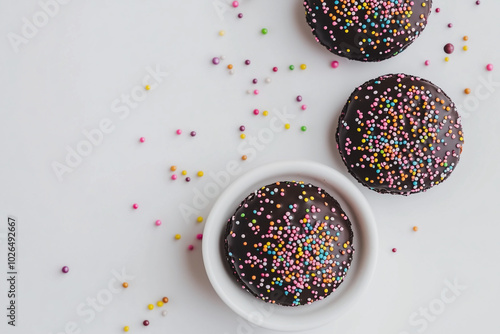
(126, 329)
(446, 59)
(159, 303)
(465, 48)
(151, 306)
(184, 172)
(222, 33)
(287, 126)
(265, 113)
(303, 66)
(147, 87)
(177, 236)
(200, 173)
(242, 136)
(199, 219)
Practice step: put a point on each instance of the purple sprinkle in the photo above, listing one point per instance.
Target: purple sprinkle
(193, 133)
(216, 60)
(449, 48)
(242, 128)
(254, 81)
(450, 25)
(188, 179)
(299, 98)
(240, 15)
(65, 269)
(247, 62)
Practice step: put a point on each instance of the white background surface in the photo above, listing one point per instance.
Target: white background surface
(64, 80)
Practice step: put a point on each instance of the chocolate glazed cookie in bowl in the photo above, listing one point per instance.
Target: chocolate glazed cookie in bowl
(290, 255)
(367, 30)
(289, 243)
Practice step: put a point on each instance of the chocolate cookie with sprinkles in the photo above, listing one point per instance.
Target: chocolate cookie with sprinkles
(289, 243)
(400, 134)
(367, 30)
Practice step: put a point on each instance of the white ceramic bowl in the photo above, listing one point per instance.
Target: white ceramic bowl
(304, 317)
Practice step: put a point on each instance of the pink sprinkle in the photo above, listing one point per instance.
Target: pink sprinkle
(335, 64)
(174, 177)
(256, 92)
(427, 63)
(179, 131)
(304, 107)
(158, 222)
(256, 111)
(135, 206)
(190, 247)
(489, 67)
(142, 139)
(199, 236)
(394, 250)
(235, 4)
(438, 10)
(275, 69)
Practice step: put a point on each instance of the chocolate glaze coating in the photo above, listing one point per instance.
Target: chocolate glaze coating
(367, 30)
(399, 134)
(289, 243)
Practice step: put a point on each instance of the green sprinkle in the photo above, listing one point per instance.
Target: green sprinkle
(264, 31)
(292, 67)
(303, 128)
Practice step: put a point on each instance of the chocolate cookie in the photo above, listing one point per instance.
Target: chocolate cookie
(400, 134)
(367, 30)
(289, 243)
